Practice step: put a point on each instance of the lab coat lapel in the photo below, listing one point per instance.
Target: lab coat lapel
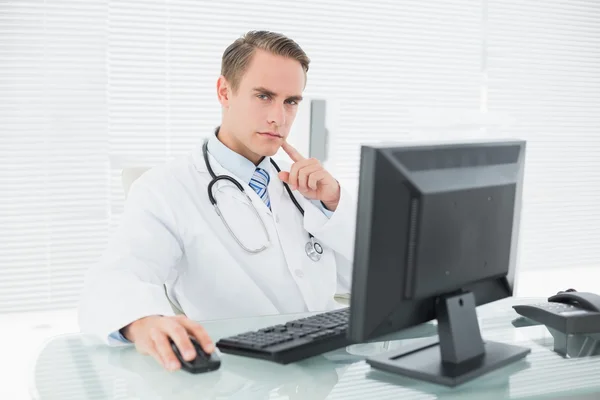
(289, 223)
(276, 189)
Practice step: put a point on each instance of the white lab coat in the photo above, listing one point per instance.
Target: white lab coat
(171, 235)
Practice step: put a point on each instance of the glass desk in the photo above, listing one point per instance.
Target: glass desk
(75, 367)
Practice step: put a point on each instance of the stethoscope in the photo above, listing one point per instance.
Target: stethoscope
(313, 249)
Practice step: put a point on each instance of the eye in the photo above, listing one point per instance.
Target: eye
(292, 102)
(263, 96)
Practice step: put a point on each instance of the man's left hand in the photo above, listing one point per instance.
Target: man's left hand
(308, 176)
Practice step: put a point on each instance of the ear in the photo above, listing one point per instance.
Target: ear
(223, 91)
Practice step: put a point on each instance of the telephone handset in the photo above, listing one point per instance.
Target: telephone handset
(585, 300)
(569, 312)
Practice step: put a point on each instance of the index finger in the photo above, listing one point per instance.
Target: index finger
(199, 333)
(292, 152)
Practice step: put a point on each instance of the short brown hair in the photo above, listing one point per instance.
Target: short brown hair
(237, 56)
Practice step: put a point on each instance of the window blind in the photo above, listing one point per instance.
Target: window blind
(53, 149)
(543, 69)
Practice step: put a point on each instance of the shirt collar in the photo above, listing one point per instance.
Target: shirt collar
(235, 163)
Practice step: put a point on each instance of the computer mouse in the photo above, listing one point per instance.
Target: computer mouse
(203, 362)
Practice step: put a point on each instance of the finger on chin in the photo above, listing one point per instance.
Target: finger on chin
(292, 152)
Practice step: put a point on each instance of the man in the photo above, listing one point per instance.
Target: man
(174, 244)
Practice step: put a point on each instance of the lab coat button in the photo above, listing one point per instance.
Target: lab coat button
(299, 273)
(277, 218)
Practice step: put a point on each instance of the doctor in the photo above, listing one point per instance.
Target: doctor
(193, 248)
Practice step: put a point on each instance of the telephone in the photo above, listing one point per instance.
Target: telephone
(569, 312)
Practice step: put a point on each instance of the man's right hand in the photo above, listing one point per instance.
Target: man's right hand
(151, 337)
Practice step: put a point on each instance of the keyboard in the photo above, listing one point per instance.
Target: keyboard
(293, 341)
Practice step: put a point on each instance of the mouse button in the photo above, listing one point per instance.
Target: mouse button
(198, 348)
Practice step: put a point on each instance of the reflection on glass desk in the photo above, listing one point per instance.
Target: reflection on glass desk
(73, 367)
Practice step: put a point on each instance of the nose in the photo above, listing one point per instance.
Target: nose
(277, 114)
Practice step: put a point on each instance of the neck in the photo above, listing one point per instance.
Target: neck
(228, 139)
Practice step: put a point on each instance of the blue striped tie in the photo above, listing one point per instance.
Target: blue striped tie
(260, 182)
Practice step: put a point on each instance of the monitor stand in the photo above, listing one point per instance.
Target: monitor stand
(459, 355)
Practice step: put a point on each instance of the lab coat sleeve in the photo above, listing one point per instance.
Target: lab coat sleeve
(127, 283)
(336, 232)
(321, 207)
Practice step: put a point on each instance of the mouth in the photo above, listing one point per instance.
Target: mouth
(273, 135)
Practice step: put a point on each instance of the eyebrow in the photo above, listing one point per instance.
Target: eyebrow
(273, 94)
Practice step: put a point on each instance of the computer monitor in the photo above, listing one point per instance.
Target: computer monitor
(436, 236)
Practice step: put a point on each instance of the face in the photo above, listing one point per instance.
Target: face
(257, 118)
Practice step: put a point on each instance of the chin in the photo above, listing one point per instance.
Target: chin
(269, 151)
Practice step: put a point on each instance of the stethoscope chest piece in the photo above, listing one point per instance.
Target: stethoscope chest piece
(313, 250)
